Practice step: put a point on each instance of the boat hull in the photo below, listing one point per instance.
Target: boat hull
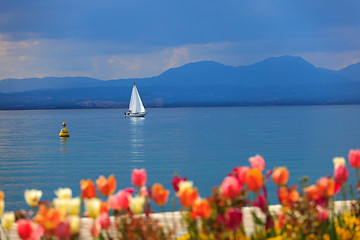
(135, 114)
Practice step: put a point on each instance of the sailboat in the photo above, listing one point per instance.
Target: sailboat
(136, 107)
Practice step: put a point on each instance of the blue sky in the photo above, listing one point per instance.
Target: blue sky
(111, 39)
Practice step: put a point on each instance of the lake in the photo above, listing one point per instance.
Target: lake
(203, 144)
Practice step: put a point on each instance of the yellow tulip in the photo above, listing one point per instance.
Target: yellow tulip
(338, 161)
(184, 185)
(61, 205)
(74, 224)
(63, 193)
(92, 207)
(2, 204)
(137, 204)
(74, 206)
(7, 220)
(32, 197)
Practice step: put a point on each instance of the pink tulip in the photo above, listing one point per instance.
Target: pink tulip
(62, 231)
(119, 201)
(138, 177)
(230, 187)
(323, 214)
(341, 174)
(94, 229)
(257, 162)
(241, 173)
(354, 158)
(104, 221)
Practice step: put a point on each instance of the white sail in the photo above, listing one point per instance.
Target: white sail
(136, 105)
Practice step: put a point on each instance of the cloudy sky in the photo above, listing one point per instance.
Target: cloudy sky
(111, 39)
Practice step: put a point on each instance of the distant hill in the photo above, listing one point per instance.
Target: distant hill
(283, 80)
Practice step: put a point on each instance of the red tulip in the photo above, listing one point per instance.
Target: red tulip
(233, 218)
(341, 174)
(106, 186)
(354, 158)
(27, 231)
(159, 194)
(257, 162)
(175, 182)
(230, 187)
(138, 177)
(280, 176)
(87, 189)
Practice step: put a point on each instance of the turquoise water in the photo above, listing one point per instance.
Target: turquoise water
(203, 144)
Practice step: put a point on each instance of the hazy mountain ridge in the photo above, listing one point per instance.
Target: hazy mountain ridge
(275, 81)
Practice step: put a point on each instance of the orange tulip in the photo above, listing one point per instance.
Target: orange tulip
(326, 187)
(1, 195)
(287, 196)
(280, 176)
(312, 192)
(159, 194)
(87, 189)
(201, 208)
(188, 196)
(49, 218)
(106, 186)
(104, 207)
(254, 179)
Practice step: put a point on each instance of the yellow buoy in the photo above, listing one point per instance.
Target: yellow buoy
(64, 132)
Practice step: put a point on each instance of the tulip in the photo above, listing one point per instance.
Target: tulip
(92, 207)
(144, 192)
(188, 196)
(354, 158)
(281, 220)
(87, 189)
(63, 193)
(326, 187)
(104, 221)
(61, 205)
(341, 174)
(119, 201)
(254, 179)
(240, 173)
(257, 162)
(280, 176)
(94, 229)
(32, 197)
(338, 161)
(137, 204)
(233, 218)
(312, 192)
(2, 203)
(106, 186)
(7, 220)
(175, 182)
(75, 222)
(138, 177)
(27, 231)
(49, 218)
(287, 196)
(159, 194)
(74, 206)
(230, 187)
(323, 214)
(63, 231)
(104, 207)
(201, 208)
(24, 228)
(184, 185)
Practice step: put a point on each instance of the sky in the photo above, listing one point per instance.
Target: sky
(113, 39)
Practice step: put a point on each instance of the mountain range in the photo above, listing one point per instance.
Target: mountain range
(285, 80)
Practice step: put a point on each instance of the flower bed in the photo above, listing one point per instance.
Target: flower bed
(305, 212)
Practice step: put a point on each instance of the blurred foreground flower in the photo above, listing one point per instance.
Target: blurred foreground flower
(32, 197)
